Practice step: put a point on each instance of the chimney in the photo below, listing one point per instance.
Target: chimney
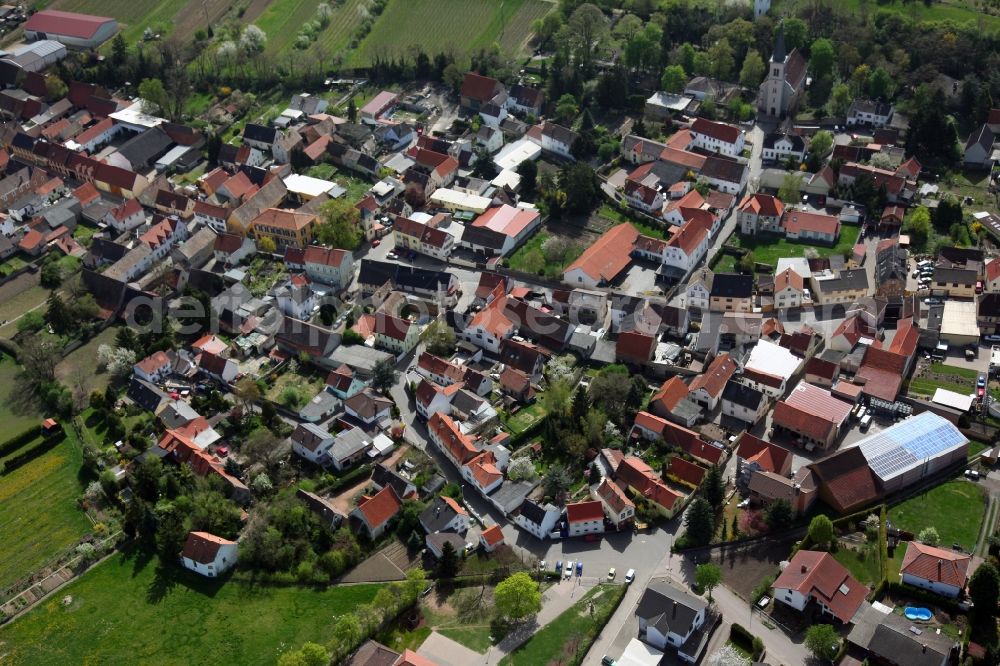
(923, 647)
(675, 610)
(804, 568)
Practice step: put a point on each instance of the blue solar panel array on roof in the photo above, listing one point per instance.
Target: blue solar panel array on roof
(906, 444)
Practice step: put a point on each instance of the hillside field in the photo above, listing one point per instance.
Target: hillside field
(38, 514)
(959, 11)
(131, 610)
(443, 25)
(175, 17)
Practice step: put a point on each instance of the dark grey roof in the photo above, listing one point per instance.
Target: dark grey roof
(779, 54)
(732, 285)
(723, 168)
(742, 394)
(989, 305)
(845, 281)
(260, 133)
(875, 107)
(669, 609)
(383, 476)
(959, 255)
(890, 264)
(532, 512)
(436, 516)
(894, 641)
(983, 137)
(145, 148)
(798, 143)
(483, 237)
(378, 273)
(146, 395)
(953, 275)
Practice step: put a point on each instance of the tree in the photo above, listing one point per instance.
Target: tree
(713, 487)
(779, 515)
(588, 27)
(528, 171)
(448, 564)
(840, 100)
(556, 481)
(821, 58)
(347, 629)
(581, 404)
(57, 314)
(918, 225)
(929, 536)
(521, 468)
(340, 225)
(439, 338)
(556, 399)
(822, 640)
(747, 263)
(984, 589)
(791, 185)
(310, 654)
(880, 84)
(267, 245)
(55, 88)
(248, 393)
(384, 375)
(253, 40)
(821, 531)
(484, 166)
(262, 447)
(796, 33)
(170, 530)
(720, 55)
(30, 322)
(566, 108)
(699, 522)
(154, 96)
(753, 70)
(674, 78)
(821, 143)
(708, 576)
(517, 597)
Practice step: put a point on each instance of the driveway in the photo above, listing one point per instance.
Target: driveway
(444, 651)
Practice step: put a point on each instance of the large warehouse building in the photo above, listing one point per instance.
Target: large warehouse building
(81, 31)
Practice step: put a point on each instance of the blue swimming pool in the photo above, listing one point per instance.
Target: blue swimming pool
(922, 614)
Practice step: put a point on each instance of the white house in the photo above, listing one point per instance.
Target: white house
(154, 368)
(554, 139)
(760, 212)
(618, 508)
(813, 576)
(699, 290)
(789, 290)
(329, 266)
(743, 402)
(645, 198)
(687, 247)
(585, 518)
(717, 137)
(779, 147)
(311, 442)
(444, 515)
(941, 571)
(869, 112)
(232, 249)
(296, 298)
(669, 616)
(126, 216)
(539, 521)
(207, 554)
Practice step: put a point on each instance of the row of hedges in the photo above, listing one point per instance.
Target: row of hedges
(17, 441)
(29, 454)
(743, 639)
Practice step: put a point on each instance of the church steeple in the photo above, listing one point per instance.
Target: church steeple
(779, 45)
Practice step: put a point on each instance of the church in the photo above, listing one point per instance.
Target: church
(786, 81)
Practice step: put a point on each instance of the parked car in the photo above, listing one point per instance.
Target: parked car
(630, 575)
(991, 338)
(933, 300)
(866, 422)
(558, 566)
(579, 568)
(568, 573)
(611, 573)
(981, 382)
(541, 565)
(607, 661)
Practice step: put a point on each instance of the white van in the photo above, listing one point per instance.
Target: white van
(866, 422)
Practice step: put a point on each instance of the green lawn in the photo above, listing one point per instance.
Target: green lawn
(129, 610)
(609, 212)
(305, 386)
(960, 380)
(959, 11)
(767, 249)
(955, 509)
(530, 258)
(12, 264)
(525, 418)
(15, 416)
(80, 364)
(38, 514)
(471, 25)
(474, 638)
(862, 561)
(562, 640)
(15, 306)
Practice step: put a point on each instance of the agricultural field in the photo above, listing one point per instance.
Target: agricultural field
(179, 18)
(470, 25)
(131, 609)
(38, 514)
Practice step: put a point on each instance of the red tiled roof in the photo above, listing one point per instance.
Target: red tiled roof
(492, 535)
(390, 326)
(492, 318)
(770, 457)
(316, 254)
(439, 366)
(154, 362)
(811, 411)
(821, 368)
(993, 269)
(697, 225)
(893, 214)
(86, 194)
(762, 204)
(641, 477)
(818, 575)
(380, 508)
(713, 380)
(687, 472)
(906, 338)
(411, 658)
(788, 278)
(478, 87)
(614, 496)
(796, 221)
(635, 346)
(882, 372)
(683, 158)
(71, 24)
(484, 469)
(609, 255)
(579, 512)
(127, 209)
(720, 131)
(846, 480)
(202, 547)
(936, 564)
(670, 393)
(514, 380)
(460, 446)
(506, 220)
